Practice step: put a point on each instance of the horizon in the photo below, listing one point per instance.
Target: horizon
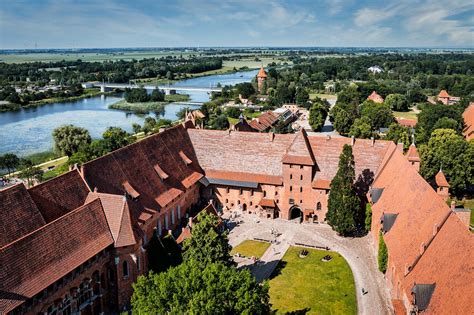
(64, 24)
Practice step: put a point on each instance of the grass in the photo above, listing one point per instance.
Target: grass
(313, 96)
(308, 284)
(145, 107)
(55, 172)
(468, 203)
(406, 115)
(251, 248)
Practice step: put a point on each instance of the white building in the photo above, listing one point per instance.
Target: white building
(375, 69)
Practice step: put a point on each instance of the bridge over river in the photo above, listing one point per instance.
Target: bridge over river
(168, 89)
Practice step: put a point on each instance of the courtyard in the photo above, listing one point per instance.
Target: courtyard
(349, 283)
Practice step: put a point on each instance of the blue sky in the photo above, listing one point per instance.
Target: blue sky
(168, 23)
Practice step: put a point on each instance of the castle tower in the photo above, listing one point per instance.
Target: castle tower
(261, 77)
(442, 185)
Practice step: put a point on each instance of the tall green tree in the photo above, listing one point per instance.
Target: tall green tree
(379, 115)
(430, 115)
(398, 133)
(344, 204)
(116, 137)
(361, 128)
(368, 217)
(449, 151)
(397, 102)
(10, 162)
(317, 116)
(69, 138)
(382, 258)
(208, 244)
(197, 288)
(30, 172)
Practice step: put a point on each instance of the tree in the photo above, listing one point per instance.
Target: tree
(207, 243)
(399, 134)
(136, 128)
(181, 114)
(449, 151)
(447, 123)
(361, 128)
(379, 115)
(317, 116)
(220, 122)
(69, 138)
(430, 115)
(383, 254)
(342, 120)
(397, 102)
(344, 204)
(157, 96)
(196, 288)
(368, 217)
(30, 172)
(302, 96)
(348, 96)
(115, 138)
(245, 89)
(10, 162)
(233, 112)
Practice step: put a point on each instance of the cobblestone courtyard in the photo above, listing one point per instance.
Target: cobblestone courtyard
(283, 234)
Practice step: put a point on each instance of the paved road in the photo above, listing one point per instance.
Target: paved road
(357, 252)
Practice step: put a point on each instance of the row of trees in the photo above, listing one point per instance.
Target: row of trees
(206, 282)
(140, 95)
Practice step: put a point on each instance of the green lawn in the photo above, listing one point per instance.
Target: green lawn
(406, 115)
(313, 96)
(251, 248)
(312, 285)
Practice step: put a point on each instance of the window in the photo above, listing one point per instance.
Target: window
(291, 188)
(138, 263)
(264, 193)
(318, 206)
(241, 191)
(227, 201)
(301, 189)
(251, 192)
(301, 167)
(227, 190)
(251, 203)
(301, 177)
(172, 216)
(291, 176)
(238, 202)
(125, 268)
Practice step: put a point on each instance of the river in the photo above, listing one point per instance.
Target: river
(29, 130)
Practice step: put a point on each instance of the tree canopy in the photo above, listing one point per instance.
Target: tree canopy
(317, 115)
(344, 204)
(69, 138)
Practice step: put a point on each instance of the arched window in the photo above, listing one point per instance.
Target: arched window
(318, 206)
(125, 268)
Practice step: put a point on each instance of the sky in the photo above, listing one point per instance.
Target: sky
(26, 24)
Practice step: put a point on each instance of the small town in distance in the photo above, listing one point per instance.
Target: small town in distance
(236, 158)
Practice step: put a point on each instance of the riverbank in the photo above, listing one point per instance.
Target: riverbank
(10, 107)
(146, 107)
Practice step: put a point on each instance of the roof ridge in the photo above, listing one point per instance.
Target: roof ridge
(49, 223)
(379, 171)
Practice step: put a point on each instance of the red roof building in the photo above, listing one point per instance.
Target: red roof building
(447, 99)
(411, 123)
(468, 115)
(261, 78)
(374, 97)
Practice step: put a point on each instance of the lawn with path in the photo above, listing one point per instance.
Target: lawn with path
(251, 248)
(313, 285)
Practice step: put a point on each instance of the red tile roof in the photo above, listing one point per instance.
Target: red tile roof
(375, 97)
(60, 195)
(412, 154)
(18, 213)
(270, 203)
(265, 121)
(37, 260)
(406, 122)
(321, 184)
(262, 73)
(135, 165)
(443, 94)
(118, 216)
(300, 151)
(468, 116)
(440, 179)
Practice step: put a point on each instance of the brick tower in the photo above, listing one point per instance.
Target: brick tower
(261, 77)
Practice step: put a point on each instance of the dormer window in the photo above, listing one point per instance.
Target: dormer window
(185, 159)
(130, 190)
(160, 172)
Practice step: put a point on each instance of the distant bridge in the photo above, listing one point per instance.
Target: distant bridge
(104, 87)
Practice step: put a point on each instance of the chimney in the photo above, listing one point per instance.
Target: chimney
(353, 139)
(95, 189)
(328, 137)
(272, 136)
(372, 139)
(400, 146)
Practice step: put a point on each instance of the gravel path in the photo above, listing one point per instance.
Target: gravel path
(357, 252)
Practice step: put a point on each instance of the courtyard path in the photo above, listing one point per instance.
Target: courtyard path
(357, 252)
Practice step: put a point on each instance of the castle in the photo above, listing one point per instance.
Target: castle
(76, 243)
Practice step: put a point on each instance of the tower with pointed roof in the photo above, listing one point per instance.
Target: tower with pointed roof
(442, 185)
(261, 78)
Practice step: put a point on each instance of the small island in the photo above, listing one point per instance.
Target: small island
(138, 100)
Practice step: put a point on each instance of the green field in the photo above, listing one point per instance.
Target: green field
(310, 286)
(251, 248)
(406, 115)
(312, 96)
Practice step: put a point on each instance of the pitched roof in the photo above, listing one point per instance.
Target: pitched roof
(412, 154)
(468, 116)
(264, 121)
(60, 195)
(270, 203)
(242, 156)
(440, 179)
(262, 73)
(443, 93)
(406, 122)
(134, 166)
(375, 97)
(300, 151)
(57, 248)
(118, 216)
(19, 214)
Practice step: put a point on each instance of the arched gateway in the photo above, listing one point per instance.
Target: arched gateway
(295, 212)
